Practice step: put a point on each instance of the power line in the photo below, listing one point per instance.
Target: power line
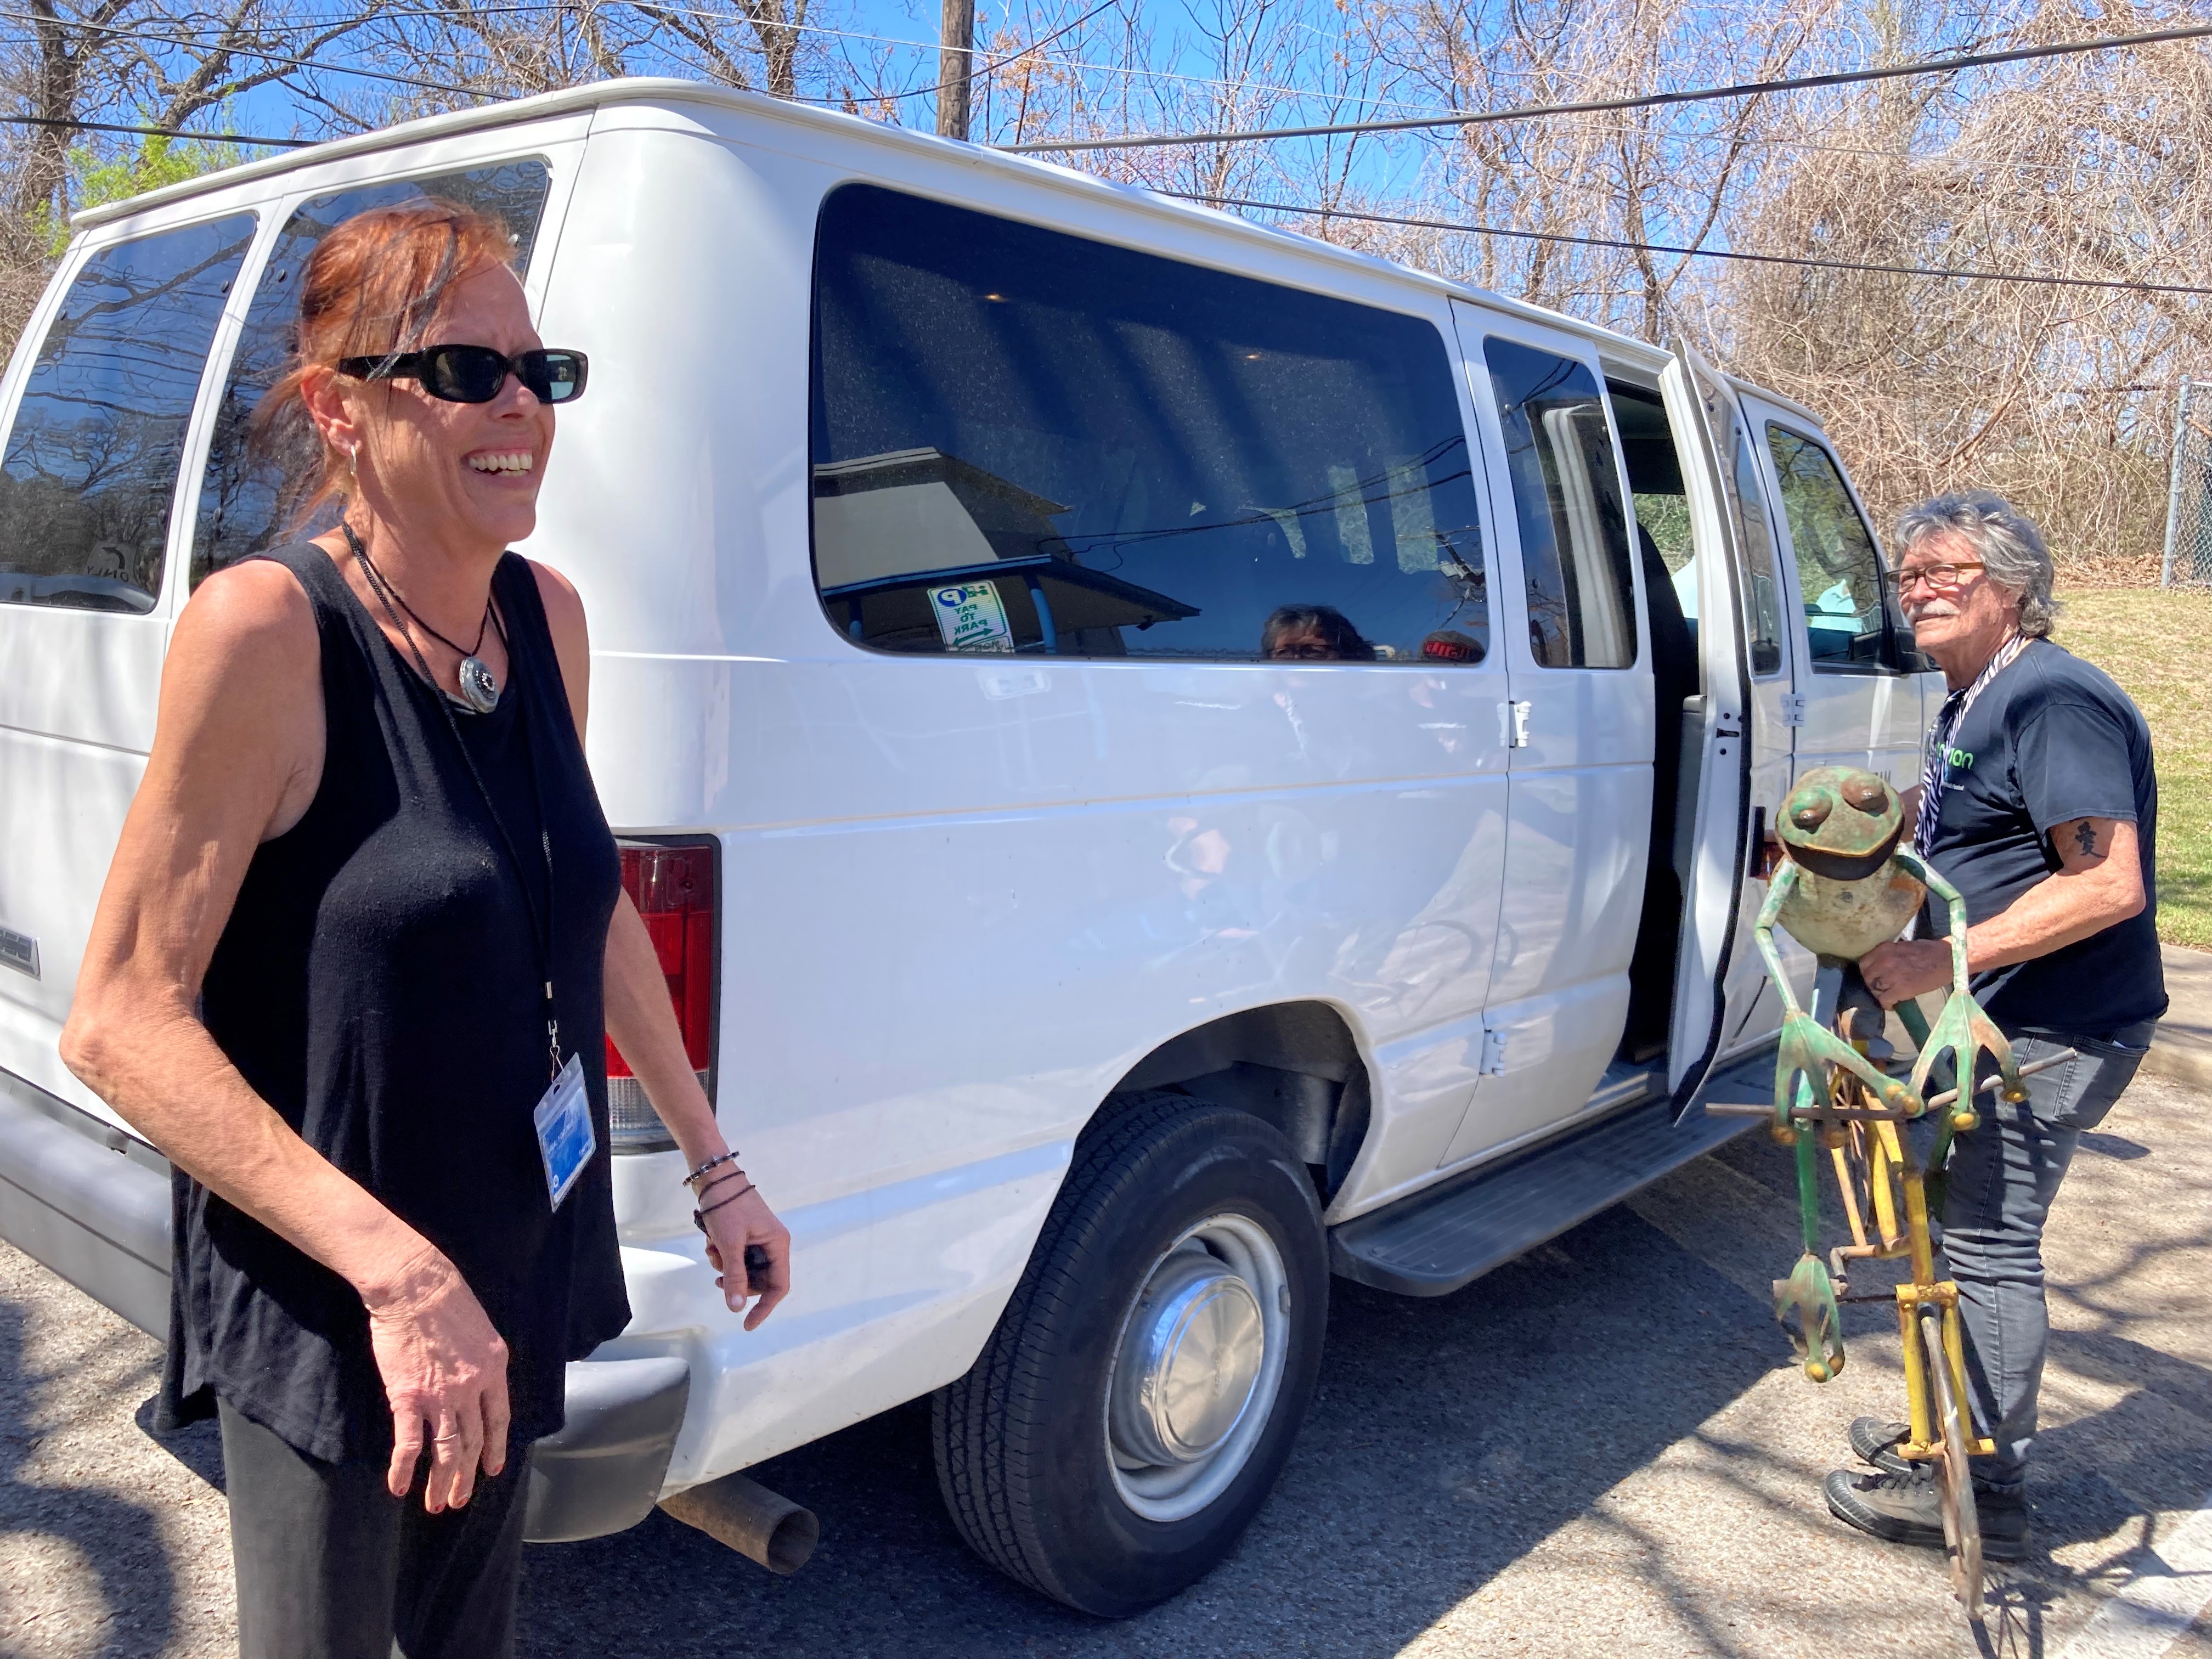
(1644, 100)
(1965, 275)
(157, 132)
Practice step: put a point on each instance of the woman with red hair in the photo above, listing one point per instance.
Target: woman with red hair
(352, 969)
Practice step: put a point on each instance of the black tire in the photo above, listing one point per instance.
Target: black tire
(1021, 1452)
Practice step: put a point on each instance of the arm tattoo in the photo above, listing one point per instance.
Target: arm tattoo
(2085, 839)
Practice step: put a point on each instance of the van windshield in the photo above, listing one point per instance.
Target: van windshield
(1026, 441)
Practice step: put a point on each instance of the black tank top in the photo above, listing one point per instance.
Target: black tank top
(377, 985)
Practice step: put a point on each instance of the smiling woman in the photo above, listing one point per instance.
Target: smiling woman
(357, 961)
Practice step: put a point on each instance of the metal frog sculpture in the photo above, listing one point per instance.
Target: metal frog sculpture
(1846, 885)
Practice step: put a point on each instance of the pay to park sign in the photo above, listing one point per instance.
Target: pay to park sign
(971, 617)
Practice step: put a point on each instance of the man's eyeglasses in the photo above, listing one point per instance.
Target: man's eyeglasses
(1935, 575)
(475, 373)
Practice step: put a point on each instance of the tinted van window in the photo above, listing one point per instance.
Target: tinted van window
(242, 505)
(1025, 441)
(1849, 625)
(1566, 496)
(90, 471)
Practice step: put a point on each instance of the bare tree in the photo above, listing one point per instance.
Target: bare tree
(2094, 169)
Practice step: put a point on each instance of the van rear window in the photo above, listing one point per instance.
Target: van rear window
(244, 499)
(90, 471)
(1025, 441)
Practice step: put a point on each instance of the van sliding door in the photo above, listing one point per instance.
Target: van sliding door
(1577, 724)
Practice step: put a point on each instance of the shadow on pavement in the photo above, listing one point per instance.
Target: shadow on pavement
(1449, 1436)
(86, 1545)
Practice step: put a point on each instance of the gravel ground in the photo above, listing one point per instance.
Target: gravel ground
(1602, 1449)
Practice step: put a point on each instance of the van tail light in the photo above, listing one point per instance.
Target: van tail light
(672, 885)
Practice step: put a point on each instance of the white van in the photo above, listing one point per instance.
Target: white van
(1165, 760)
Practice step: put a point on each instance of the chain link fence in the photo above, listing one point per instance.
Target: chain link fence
(2189, 507)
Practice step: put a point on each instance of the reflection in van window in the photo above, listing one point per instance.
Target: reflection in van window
(240, 511)
(91, 466)
(1840, 575)
(1566, 496)
(1027, 442)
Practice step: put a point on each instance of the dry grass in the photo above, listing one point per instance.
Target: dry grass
(2157, 644)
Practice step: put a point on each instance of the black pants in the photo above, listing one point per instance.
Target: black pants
(330, 1566)
(2003, 1177)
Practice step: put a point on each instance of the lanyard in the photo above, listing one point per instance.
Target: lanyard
(541, 934)
(1936, 771)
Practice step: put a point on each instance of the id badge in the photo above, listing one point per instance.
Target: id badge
(565, 1140)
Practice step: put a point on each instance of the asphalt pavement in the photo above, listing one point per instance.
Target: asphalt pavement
(1602, 1449)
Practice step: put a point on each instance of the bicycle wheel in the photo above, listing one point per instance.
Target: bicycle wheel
(1955, 1478)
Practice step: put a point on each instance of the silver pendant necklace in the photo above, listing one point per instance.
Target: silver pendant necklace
(479, 688)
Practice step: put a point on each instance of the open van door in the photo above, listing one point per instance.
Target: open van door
(1865, 683)
(1740, 730)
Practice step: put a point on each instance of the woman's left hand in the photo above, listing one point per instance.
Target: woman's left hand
(730, 1228)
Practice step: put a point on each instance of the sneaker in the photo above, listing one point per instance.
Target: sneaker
(1906, 1508)
(1876, 1441)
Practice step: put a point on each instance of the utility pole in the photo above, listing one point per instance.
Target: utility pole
(956, 67)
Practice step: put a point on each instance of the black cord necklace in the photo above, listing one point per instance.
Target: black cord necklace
(479, 690)
(544, 936)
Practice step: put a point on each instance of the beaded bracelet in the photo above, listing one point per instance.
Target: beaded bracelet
(692, 1180)
(699, 1216)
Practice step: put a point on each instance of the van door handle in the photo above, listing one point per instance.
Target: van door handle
(1520, 739)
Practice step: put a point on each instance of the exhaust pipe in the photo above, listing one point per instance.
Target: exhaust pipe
(757, 1524)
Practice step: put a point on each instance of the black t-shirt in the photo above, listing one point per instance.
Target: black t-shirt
(2051, 740)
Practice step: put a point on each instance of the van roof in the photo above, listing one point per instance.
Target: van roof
(650, 91)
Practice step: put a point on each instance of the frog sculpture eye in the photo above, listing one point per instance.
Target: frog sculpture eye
(1867, 793)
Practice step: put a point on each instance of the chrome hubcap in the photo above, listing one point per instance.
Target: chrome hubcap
(1188, 1362)
(1197, 1367)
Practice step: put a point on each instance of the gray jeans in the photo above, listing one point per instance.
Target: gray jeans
(2003, 1177)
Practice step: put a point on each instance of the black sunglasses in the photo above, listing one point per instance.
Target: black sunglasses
(475, 373)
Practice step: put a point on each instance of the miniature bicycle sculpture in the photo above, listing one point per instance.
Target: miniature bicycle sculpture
(1844, 886)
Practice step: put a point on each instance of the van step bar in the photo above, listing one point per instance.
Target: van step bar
(1437, 1241)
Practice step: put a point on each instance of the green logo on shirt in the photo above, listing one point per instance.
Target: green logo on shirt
(1958, 757)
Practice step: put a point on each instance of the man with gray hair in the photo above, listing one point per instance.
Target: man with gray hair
(2039, 804)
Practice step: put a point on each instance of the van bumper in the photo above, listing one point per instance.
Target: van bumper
(87, 1200)
(603, 1472)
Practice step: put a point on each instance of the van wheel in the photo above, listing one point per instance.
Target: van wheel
(1133, 1409)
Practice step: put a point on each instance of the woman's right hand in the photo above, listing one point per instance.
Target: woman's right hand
(444, 1374)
